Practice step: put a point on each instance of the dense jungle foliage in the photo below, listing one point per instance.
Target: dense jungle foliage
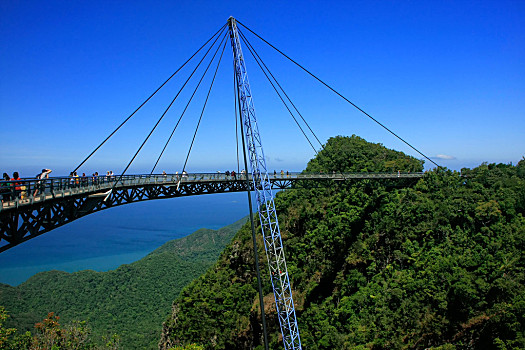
(131, 301)
(51, 335)
(432, 263)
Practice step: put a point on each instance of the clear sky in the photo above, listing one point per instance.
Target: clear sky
(448, 76)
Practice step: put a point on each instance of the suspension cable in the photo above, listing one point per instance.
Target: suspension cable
(340, 95)
(153, 94)
(187, 104)
(284, 92)
(250, 47)
(203, 107)
(257, 57)
(163, 114)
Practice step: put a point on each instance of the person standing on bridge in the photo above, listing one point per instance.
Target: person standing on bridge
(17, 185)
(77, 179)
(5, 189)
(40, 184)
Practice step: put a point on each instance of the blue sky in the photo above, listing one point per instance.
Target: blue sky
(447, 76)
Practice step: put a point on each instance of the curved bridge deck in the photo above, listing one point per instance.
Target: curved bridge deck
(34, 207)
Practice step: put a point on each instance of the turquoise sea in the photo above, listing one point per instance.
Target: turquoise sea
(121, 235)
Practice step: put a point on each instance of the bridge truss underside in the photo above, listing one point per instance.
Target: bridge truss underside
(31, 220)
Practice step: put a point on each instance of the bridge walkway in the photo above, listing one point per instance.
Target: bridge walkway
(61, 200)
(62, 187)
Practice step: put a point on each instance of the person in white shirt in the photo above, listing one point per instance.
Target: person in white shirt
(40, 185)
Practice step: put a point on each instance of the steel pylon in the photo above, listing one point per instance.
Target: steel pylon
(267, 214)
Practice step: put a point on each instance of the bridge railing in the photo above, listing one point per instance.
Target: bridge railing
(31, 189)
(28, 190)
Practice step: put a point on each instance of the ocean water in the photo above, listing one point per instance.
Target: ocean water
(121, 235)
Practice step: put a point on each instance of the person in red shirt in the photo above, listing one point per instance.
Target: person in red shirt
(17, 185)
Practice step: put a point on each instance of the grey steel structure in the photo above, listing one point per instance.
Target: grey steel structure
(273, 245)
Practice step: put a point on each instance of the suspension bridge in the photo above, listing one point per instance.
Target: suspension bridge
(32, 207)
(46, 204)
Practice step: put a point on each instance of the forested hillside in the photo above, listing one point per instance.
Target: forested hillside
(131, 301)
(434, 263)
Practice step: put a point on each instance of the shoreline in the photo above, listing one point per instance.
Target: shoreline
(15, 276)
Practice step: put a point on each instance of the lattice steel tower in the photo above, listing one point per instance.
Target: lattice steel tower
(268, 217)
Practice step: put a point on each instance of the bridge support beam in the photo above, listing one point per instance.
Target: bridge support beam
(280, 280)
